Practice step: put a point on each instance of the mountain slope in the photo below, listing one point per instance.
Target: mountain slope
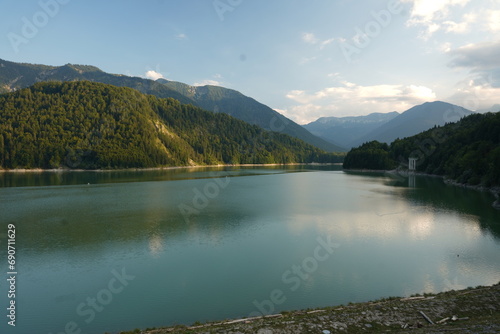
(415, 120)
(92, 125)
(15, 76)
(229, 101)
(494, 108)
(344, 131)
(467, 151)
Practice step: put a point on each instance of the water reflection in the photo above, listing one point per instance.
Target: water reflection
(395, 239)
(432, 192)
(61, 178)
(412, 181)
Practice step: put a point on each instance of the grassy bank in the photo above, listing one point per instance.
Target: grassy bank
(474, 310)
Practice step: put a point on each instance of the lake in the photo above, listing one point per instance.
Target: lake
(113, 251)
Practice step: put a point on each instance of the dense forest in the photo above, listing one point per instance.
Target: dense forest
(15, 76)
(467, 151)
(90, 125)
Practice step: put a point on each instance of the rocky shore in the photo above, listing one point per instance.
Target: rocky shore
(474, 310)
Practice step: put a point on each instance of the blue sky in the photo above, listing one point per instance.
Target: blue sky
(306, 59)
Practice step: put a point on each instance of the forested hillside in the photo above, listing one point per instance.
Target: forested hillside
(14, 76)
(231, 102)
(92, 125)
(467, 151)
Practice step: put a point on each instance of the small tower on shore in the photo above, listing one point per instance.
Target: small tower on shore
(412, 164)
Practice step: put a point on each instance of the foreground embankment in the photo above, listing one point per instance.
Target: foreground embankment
(474, 310)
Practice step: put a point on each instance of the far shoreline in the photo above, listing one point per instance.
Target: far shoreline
(70, 170)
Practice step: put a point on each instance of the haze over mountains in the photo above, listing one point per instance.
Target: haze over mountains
(415, 120)
(353, 131)
(15, 76)
(494, 108)
(345, 131)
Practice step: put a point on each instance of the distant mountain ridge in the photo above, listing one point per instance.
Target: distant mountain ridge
(353, 131)
(416, 120)
(344, 131)
(494, 108)
(14, 76)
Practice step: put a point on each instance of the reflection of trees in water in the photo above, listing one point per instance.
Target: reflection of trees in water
(433, 191)
(81, 223)
(52, 178)
(96, 233)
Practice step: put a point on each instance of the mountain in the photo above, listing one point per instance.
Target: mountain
(467, 151)
(494, 108)
(232, 102)
(344, 131)
(92, 125)
(15, 76)
(415, 120)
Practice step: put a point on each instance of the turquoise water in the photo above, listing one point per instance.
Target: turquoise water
(115, 251)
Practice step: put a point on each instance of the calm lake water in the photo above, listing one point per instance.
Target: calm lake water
(110, 251)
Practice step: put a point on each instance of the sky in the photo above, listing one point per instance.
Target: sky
(305, 59)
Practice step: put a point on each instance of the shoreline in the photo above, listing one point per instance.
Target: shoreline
(69, 170)
(471, 310)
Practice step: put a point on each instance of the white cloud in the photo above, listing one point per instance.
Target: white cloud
(454, 16)
(481, 88)
(425, 11)
(462, 27)
(306, 60)
(434, 15)
(327, 42)
(476, 94)
(309, 38)
(303, 114)
(208, 82)
(445, 47)
(153, 75)
(351, 99)
(377, 92)
(181, 36)
(215, 81)
(479, 56)
(493, 20)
